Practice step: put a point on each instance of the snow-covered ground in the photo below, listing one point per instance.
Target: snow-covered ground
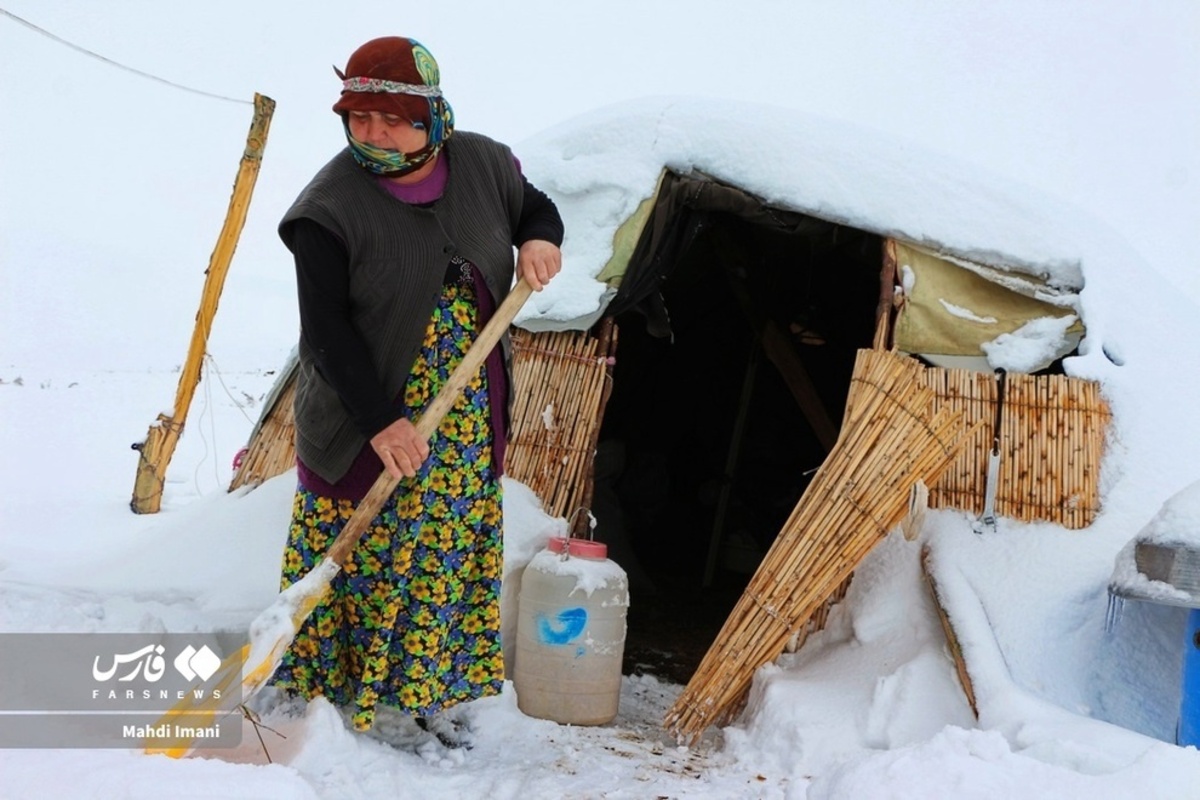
(1063, 135)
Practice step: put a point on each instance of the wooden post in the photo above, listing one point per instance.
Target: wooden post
(952, 642)
(607, 334)
(156, 451)
(887, 294)
(731, 461)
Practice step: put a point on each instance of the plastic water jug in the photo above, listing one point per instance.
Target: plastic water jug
(571, 634)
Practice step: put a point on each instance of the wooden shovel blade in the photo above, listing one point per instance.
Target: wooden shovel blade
(216, 701)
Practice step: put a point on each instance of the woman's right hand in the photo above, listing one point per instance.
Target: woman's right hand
(400, 448)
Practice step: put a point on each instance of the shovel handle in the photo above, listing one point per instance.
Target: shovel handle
(431, 418)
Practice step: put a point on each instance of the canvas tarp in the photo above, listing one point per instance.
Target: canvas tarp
(952, 306)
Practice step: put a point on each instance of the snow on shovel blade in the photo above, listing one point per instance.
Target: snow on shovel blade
(254, 663)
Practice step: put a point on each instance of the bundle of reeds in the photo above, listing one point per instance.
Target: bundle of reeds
(816, 623)
(890, 438)
(1051, 442)
(559, 385)
(272, 447)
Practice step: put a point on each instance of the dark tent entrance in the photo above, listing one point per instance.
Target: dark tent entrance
(739, 326)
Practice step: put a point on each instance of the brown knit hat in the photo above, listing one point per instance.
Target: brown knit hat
(392, 75)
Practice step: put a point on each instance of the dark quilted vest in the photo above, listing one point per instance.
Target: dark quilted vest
(398, 258)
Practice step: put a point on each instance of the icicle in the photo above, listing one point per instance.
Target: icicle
(1116, 605)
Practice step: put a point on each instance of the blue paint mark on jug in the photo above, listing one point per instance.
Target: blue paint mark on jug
(570, 623)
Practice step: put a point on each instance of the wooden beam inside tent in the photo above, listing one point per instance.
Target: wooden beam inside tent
(783, 355)
(778, 348)
(731, 461)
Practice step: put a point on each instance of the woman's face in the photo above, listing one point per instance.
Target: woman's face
(387, 131)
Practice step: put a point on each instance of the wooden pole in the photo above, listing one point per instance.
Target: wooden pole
(779, 350)
(887, 294)
(952, 640)
(607, 349)
(731, 462)
(155, 453)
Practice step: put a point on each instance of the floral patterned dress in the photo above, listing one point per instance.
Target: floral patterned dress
(413, 620)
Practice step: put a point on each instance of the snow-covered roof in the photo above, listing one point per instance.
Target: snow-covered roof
(600, 166)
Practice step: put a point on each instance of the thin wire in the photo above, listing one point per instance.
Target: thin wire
(212, 429)
(204, 409)
(215, 372)
(85, 51)
(238, 404)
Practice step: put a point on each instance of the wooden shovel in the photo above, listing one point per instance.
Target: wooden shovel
(274, 629)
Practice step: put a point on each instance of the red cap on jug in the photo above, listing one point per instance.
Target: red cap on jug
(582, 548)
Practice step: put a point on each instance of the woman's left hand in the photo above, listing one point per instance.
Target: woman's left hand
(537, 262)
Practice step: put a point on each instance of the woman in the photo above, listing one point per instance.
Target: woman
(403, 248)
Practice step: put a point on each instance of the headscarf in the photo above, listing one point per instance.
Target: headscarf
(395, 75)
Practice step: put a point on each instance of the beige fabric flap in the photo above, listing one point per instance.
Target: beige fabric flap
(951, 310)
(626, 238)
